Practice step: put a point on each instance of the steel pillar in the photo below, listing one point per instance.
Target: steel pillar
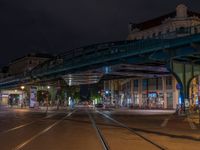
(184, 73)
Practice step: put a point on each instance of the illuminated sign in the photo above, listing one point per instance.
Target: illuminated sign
(153, 94)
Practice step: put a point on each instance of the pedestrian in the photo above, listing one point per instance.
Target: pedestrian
(10, 101)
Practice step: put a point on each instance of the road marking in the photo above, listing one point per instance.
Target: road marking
(18, 127)
(136, 133)
(20, 146)
(50, 115)
(26, 124)
(192, 125)
(164, 123)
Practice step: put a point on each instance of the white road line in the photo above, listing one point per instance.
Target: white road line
(50, 115)
(26, 124)
(18, 127)
(192, 125)
(164, 123)
(20, 146)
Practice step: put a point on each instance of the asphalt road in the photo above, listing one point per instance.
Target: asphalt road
(89, 129)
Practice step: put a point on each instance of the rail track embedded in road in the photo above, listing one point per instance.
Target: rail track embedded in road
(99, 133)
(133, 131)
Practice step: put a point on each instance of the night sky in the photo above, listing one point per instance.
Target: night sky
(59, 25)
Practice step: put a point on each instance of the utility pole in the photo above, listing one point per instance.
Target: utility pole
(47, 98)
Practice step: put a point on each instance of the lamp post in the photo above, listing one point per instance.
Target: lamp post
(47, 97)
(22, 100)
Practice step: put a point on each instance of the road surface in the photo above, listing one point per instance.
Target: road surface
(91, 129)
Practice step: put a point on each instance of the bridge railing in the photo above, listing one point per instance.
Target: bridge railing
(107, 51)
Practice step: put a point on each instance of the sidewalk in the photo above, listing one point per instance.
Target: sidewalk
(142, 111)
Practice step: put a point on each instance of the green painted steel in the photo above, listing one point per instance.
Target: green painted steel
(108, 55)
(112, 51)
(104, 54)
(184, 73)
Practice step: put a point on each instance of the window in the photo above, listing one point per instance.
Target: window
(159, 83)
(167, 31)
(169, 83)
(136, 98)
(128, 85)
(152, 84)
(182, 30)
(195, 30)
(169, 100)
(135, 85)
(160, 34)
(144, 84)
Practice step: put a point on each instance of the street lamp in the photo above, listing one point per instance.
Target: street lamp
(22, 87)
(22, 101)
(47, 98)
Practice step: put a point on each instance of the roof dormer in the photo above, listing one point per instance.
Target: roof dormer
(181, 11)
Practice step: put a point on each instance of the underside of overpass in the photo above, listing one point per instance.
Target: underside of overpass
(121, 71)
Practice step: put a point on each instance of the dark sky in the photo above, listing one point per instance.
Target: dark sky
(58, 25)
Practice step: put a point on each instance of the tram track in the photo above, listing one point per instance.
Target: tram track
(119, 124)
(100, 135)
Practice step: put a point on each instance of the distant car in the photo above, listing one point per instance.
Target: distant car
(99, 105)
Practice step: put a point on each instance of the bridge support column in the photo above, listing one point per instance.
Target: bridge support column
(164, 91)
(112, 87)
(140, 92)
(184, 73)
(132, 94)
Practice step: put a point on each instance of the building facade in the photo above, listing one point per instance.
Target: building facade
(172, 25)
(153, 93)
(27, 63)
(20, 66)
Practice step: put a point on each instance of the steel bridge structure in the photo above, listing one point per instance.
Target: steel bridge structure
(171, 53)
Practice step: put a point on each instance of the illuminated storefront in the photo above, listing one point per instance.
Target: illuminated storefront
(194, 91)
(151, 93)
